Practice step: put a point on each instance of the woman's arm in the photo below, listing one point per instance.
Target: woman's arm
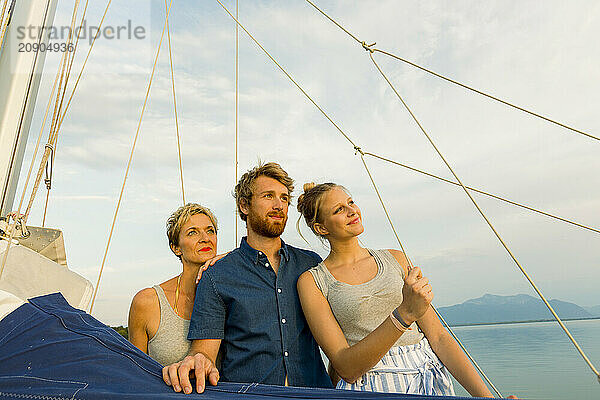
(351, 362)
(446, 348)
(143, 306)
(451, 355)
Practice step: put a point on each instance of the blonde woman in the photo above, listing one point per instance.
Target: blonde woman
(159, 317)
(370, 314)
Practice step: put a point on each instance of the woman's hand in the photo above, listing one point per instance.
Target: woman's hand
(416, 296)
(207, 264)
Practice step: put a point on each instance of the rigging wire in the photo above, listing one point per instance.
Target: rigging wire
(65, 72)
(84, 64)
(356, 148)
(453, 81)
(475, 364)
(175, 107)
(5, 3)
(288, 75)
(11, 234)
(53, 128)
(512, 202)
(17, 217)
(48, 179)
(71, 57)
(237, 53)
(112, 227)
(370, 49)
(531, 282)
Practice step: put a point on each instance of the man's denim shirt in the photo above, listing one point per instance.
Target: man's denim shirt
(258, 316)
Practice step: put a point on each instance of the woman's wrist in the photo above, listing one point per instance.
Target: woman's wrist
(402, 317)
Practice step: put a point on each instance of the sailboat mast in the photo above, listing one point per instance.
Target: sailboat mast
(20, 75)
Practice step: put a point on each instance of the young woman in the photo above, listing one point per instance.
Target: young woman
(159, 317)
(370, 314)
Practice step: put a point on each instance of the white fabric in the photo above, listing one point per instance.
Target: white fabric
(9, 303)
(410, 369)
(29, 274)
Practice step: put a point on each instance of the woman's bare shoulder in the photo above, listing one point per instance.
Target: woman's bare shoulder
(401, 258)
(145, 301)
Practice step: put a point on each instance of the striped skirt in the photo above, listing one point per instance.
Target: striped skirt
(413, 369)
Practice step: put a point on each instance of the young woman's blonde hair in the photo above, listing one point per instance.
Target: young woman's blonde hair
(244, 187)
(309, 203)
(181, 216)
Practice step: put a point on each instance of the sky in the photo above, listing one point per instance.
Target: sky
(541, 55)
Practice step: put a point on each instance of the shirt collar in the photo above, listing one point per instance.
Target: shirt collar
(255, 255)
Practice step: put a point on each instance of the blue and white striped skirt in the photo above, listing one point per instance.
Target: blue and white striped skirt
(413, 369)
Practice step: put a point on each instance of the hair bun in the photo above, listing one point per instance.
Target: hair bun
(308, 186)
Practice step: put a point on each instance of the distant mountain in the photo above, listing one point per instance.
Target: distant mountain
(594, 310)
(521, 307)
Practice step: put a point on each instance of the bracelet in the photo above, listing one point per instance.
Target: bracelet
(397, 323)
(396, 315)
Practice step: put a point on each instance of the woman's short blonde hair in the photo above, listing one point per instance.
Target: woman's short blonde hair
(181, 216)
(243, 189)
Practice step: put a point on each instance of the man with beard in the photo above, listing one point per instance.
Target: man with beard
(247, 305)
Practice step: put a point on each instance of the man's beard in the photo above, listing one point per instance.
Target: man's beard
(266, 227)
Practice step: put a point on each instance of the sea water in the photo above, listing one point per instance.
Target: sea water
(536, 360)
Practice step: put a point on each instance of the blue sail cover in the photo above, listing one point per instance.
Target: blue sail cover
(49, 350)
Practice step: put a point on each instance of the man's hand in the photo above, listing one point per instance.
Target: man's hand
(178, 374)
(207, 264)
(416, 296)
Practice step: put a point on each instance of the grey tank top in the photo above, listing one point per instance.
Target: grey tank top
(359, 309)
(169, 345)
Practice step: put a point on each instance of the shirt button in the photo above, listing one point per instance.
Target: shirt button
(285, 353)
(267, 265)
(278, 290)
(283, 320)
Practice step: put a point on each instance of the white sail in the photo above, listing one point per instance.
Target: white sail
(20, 73)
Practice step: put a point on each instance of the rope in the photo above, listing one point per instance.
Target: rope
(288, 75)
(5, 3)
(371, 50)
(61, 89)
(512, 202)
(487, 379)
(53, 131)
(63, 75)
(356, 148)
(84, 64)
(237, 52)
(70, 58)
(71, 55)
(387, 215)
(175, 106)
(542, 297)
(11, 234)
(112, 227)
(3, 22)
(334, 21)
(489, 96)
